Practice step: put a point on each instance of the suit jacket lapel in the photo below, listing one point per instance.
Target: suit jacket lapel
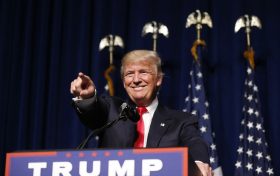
(159, 126)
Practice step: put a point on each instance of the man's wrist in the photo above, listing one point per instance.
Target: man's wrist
(78, 98)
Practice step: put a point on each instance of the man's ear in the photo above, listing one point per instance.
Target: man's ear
(123, 84)
(159, 81)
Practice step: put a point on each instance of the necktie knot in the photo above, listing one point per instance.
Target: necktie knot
(141, 110)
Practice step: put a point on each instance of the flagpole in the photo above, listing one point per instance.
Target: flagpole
(110, 41)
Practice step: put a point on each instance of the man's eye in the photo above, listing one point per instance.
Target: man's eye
(143, 73)
(129, 75)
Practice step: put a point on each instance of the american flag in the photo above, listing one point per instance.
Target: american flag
(253, 158)
(197, 104)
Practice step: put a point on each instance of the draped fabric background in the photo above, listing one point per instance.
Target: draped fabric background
(44, 44)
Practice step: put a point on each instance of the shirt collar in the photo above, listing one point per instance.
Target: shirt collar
(152, 107)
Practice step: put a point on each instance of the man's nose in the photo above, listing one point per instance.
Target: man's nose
(136, 78)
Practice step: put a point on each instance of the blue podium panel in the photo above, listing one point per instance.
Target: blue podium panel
(112, 162)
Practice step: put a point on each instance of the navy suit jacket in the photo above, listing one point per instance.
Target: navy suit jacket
(169, 128)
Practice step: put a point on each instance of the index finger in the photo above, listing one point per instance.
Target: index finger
(84, 77)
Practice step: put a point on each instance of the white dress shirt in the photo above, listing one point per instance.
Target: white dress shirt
(147, 119)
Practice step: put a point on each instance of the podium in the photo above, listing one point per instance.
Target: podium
(102, 162)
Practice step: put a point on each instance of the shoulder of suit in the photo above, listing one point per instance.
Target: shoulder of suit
(179, 114)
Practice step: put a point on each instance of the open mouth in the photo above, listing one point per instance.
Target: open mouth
(138, 88)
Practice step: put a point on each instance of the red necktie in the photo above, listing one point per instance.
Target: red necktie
(140, 127)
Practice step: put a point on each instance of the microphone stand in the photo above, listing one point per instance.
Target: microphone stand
(98, 130)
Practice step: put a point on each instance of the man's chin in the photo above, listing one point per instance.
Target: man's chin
(138, 100)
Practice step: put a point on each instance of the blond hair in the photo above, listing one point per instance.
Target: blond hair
(142, 55)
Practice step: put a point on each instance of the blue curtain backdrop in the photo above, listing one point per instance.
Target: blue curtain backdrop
(44, 44)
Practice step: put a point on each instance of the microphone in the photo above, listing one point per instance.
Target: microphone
(126, 112)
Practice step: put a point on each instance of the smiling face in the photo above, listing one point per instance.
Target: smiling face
(141, 79)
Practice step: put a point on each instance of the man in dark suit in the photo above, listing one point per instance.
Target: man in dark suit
(158, 126)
